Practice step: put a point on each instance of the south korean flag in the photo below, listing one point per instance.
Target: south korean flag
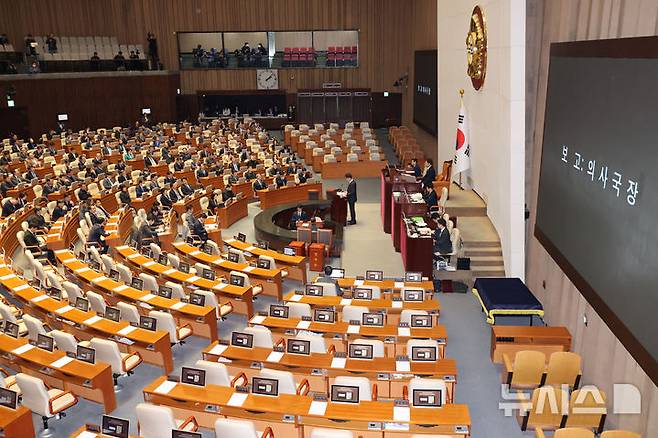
(462, 159)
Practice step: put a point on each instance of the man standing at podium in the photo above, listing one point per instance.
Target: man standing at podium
(351, 197)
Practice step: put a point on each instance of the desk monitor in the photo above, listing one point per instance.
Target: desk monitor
(165, 291)
(11, 329)
(423, 354)
(262, 386)
(236, 280)
(45, 342)
(148, 323)
(146, 251)
(279, 311)
(233, 257)
(373, 319)
(137, 283)
(289, 251)
(185, 434)
(299, 346)
(85, 354)
(62, 117)
(94, 265)
(114, 275)
(263, 244)
(413, 276)
(337, 273)
(362, 293)
(8, 398)
(360, 351)
(413, 295)
(344, 394)
(208, 274)
(427, 398)
(240, 339)
(113, 314)
(421, 321)
(82, 304)
(241, 237)
(263, 264)
(324, 315)
(193, 376)
(189, 240)
(115, 427)
(197, 299)
(162, 259)
(375, 275)
(184, 267)
(314, 290)
(55, 294)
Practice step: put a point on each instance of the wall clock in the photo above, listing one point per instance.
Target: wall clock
(476, 48)
(267, 79)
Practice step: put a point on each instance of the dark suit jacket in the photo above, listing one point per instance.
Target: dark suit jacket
(227, 194)
(97, 234)
(442, 243)
(431, 199)
(124, 197)
(8, 209)
(30, 239)
(186, 189)
(260, 185)
(418, 172)
(139, 191)
(430, 176)
(57, 213)
(201, 173)
(351, 191)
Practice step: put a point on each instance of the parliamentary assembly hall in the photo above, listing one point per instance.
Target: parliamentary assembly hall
(328, 218)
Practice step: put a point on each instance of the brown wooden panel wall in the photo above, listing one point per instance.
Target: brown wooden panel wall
(605, 360)
(99, 101)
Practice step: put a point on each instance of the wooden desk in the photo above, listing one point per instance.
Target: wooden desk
(232, 213)
(145, 202)
(358, 169)
(337, 333)
(108, 200)
(83, 429)
(295, 265)
(181, 206)
(16, 423)
(511, 339)
(153, 346)
(209, 403)
(202, 319)
(403, 206)
(392, 310)
(9, 226)
(241, 296)
(386, 284)
(270, 279)
(90, 381)
(284, 195)
(417, 250)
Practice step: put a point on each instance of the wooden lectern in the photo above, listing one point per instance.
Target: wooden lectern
(338, 207)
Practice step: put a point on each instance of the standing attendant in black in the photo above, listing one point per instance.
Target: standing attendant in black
(351, 198)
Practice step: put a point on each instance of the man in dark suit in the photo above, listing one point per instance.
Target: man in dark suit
(418, 172)
(430, 173)
(228, 193)
(124, 196)
(149, 161)
(280, 181)
(430, 197)
(97, 235)
(235, 165)
(108, 182)
(442, 243)
(260, 183)
(59, 210)
(165, 200)
(195, 225)
(351, 198)
(9, 207)
(185, 188)
(202, 172)
(141, 189)
(169, 178)
(298, 216)
(31, 239)
(232, 178)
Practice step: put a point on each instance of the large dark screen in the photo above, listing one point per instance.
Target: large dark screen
(425, 100)
(597, 210)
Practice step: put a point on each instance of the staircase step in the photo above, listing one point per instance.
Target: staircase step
(487, 261)
(488, 273)
(483, 252)
(481, 244)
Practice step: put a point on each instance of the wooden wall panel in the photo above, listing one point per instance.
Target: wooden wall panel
(605, 360)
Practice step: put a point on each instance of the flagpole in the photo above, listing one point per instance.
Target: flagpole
(461, 102)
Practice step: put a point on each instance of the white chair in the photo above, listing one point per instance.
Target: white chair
(363, 383)
(427, 384)
(150, 283)
(352, 157)
(411, 343)
(108, 263)
(298, 310)
(177, 291)
(241, 257)
(262, 336)
(317, 343)
(256, 289)
(96, 302)
(332, 433)
(34, 327)
(128, 312)
(405, 315)
(286, 380)
(122, 363)
(73, 291)
(216, 373)
(158, 421)
(353, 313)
(229, 428)
(166, 322)
(125, 274)
(377, 346)
(412, 289)
(155, 250)
(66, 341)
(329, 289)
(329, 158)
(211, 300)
(8, 315)
(375, 291)
(43, 401)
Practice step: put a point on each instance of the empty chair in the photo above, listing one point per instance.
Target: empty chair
(73, 291)
(411, 343)
(262, 336)
(166, 322)
(122, 363)
(546, 408)
(527, 370)
(125, 274)
(108, 263)
(405, 315)
(213, 246)
(158, 421)
(377, 346)
(329, 158)
(285, 379)
(317, 343)
(298, 310)
(587, 409)
(376, 292)
(155, 250)
(563, 368)
(329, 289)
(43, 401)
(568, 432)
(211, 300)
(352, 157)
(128, 312)
(177, 291)
(257, 289)
(8, 315)
(34, 327)
(216, 373)
(97, 302)
(241, 257)
(227, 427)
(201, 266)
(363, 383)
(426, 384)
(66, 341)
(150, 283)
(353, 313)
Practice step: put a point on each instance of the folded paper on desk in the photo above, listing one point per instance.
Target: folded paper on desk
(165, 387)
(59, 363)
(237, 399)
(338, 362)
(258, 319)
(317, 408)
(22, 349)
(127, 330)
(218, 349)
(401, 413)
(274, 356)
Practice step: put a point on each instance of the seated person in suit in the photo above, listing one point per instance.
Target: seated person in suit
(326, 278)
(124, 196)
(9, 207)
(185, 188)
(97, 235)
(216, 201)
(442, 243)
(429, 175)
(141, 189)
(232, 178)
(155, 215)
(430, 197)
(280, 181)
(59, 211)
(260, 183)
(169, 178)
(418, 172)
(108, 182)
(165, 200)
(31, 239)
(83, 194)
(99, 212)
(195, 225)
(178, 164)
(37, 219)
(299, 215)
(202, 172)
(228, 194)
(147, 232)
(249, 174)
